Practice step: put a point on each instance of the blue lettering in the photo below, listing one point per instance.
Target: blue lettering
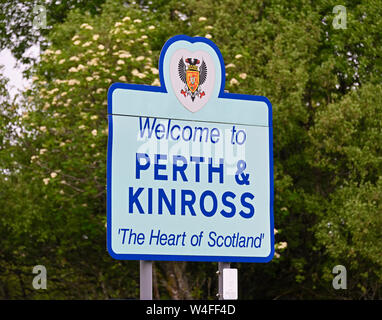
(163, 197)
(171, 131)
(180, 169)
(219, 170)
(228, 204)
(150, 201)
(214, 203)
(133, 198)
(247, 205)
(152, 236)
(160, 129)
(146, 126)
(215, 133)
(158, 167)
(187, 203)
(197, 161)
(139, 166)
(201, 130)
(190, 133)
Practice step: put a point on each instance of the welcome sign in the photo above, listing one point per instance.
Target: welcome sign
(189, 168)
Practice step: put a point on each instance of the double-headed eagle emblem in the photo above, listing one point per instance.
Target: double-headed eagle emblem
(192, 76)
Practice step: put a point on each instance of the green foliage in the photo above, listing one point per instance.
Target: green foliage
(16, 22)
(324, 85)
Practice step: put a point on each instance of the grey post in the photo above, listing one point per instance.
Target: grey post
(146, 280)
(221, 266)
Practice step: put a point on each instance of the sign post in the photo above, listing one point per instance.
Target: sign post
(221, 267)
(146, 280)
(190, 167)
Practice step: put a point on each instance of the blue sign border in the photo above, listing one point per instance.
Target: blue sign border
(222, 95)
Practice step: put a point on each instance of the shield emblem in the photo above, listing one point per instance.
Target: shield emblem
(192, 80)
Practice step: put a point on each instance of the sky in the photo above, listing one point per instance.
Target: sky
(13, 72)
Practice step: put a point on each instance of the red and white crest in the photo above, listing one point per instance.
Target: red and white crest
(192, 76)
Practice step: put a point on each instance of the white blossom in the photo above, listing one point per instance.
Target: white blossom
(125, 55)
(53, 91)
(73, 82)
(233, 82)
(156, 82)
(86, 26)
(281, 245)
(93, 62)
(154, 71)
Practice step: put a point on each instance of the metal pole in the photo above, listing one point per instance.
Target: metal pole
(221, 266)
(146, 280)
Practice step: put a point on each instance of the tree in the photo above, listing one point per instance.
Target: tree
(324, 85)
(17, 31)
(346, 141)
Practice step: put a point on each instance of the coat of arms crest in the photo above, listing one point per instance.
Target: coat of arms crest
(192, 76)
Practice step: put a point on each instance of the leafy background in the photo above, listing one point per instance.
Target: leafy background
(325, 87)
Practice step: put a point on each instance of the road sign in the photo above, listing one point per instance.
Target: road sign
(189, 166)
